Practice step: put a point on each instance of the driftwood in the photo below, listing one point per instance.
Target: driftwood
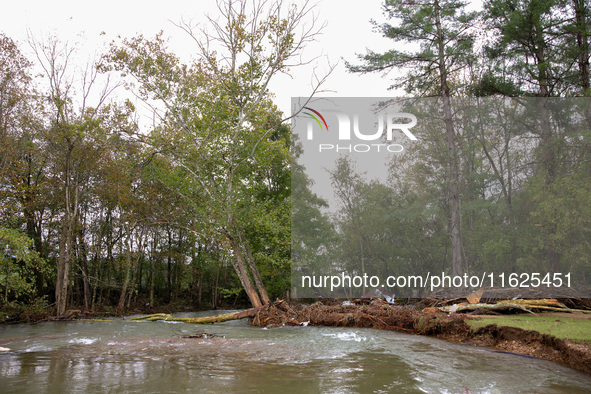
(206, 319)
(493, 307)
(202, 335)
(524, 305)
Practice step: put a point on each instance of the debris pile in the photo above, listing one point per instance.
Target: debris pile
(375, 315)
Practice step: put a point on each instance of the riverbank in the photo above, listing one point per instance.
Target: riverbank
(35, 313)
(451, 327)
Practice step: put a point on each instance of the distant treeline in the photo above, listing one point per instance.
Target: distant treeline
(499, 180)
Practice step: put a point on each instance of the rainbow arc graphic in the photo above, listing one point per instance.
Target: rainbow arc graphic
(316, 117)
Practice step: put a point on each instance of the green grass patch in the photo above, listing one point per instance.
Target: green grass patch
(577, 330)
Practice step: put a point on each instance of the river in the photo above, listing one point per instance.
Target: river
(122, 356)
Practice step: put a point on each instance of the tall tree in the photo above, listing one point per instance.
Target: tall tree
(444, 34)
(217, 127)
(75, 140)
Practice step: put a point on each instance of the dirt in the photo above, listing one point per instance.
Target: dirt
(532, 343)
(452, 327)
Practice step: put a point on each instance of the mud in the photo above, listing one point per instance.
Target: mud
(451, 327)
(532, 343)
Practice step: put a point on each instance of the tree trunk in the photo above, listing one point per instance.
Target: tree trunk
(169, 267)
(242, 272)
(215, 290)
(63, 271)
(121, 303)
(454, 189)
(153, 267)
(581, 14)
(199, 294)
(255, 272)
(549, 169)
(6, 285)
(132, 282)
(83, 263)
(131, 263)
(97, 273)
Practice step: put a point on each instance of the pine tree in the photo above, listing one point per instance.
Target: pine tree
(444, 33)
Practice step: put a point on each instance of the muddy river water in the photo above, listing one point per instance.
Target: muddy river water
(121, 356)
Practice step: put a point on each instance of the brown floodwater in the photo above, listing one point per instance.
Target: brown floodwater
(123, 356)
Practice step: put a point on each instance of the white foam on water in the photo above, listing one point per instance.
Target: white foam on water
(346, 336)
(37, 349)
(332, 357)
(83, 341)
(346, 370)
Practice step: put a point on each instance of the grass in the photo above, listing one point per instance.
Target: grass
(578, 330)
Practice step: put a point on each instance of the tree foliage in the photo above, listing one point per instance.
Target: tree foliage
(521, 153)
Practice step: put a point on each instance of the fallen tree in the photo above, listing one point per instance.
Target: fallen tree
(209, 319)
(524, 305)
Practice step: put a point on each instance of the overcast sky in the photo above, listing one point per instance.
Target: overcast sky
(348, 32)
(94, 25)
